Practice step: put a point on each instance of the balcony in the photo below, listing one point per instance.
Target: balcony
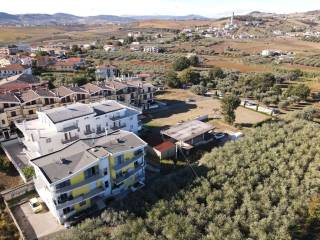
(32, 106)
(72, 139)
(115, 128)
(100, 131)
(13, 118)
(71, 201)
(120, 179)
(88, 132)
(69, 128)
(11, 108)
(128, 162)
(115, 118)
(80, 184)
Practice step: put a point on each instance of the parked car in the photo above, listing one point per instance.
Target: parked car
(36, 205)
(220, 136)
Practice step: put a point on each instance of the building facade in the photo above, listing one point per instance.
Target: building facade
(84, 174)
(59, 127)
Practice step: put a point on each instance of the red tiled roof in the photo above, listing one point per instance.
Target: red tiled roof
(73, 60)
(15, 67)
(165, 146)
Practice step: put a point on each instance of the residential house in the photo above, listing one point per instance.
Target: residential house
(110, 48)
(14, 69)
(151, 49)
(97, 91)
(106, 72)
(89, 171)
(189, 135)
(76, 61)
(10, 111)
(21, 82)
(61, 66)
(71, 94)
(44, 61)
(35, 100)
(144, 94)
(64, 125)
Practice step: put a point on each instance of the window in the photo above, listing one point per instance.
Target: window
(5, 105)
(88, 128)
(3, 121)
(63, 198)
(63, 184)
(119, 160)
(82, 203)
(67, 210)
(30, 112)
(13, 114)
(91, 172)
(48, 140)
(106, 184)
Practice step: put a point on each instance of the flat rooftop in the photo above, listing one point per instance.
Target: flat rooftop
(72, 111)
(187, 130)
(106, 107)
(77, 156)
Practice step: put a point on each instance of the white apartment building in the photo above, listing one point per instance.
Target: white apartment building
(14, 69)
(106, 72)
(59, 127)
(82, 175)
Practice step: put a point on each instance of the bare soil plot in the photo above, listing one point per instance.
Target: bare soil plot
(229, 63)
(197, 107)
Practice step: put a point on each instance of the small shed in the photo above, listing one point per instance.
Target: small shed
(165, 150)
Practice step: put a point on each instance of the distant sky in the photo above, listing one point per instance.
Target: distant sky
(210, 8)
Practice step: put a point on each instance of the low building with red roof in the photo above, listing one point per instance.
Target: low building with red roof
(165, 150)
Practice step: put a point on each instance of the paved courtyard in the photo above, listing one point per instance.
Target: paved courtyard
(36, 226)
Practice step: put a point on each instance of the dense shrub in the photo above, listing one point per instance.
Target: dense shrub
(198, 89)
(181, 64)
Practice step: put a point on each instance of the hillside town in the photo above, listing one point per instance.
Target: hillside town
(159, 127)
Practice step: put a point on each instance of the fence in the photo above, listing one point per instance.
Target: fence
(18, 191)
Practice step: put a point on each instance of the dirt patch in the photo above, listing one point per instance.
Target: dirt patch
(238, 66)
(196, 107)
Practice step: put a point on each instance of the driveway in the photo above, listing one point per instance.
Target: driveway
(36, 226)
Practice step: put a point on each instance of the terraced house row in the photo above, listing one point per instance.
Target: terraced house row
(18, 105)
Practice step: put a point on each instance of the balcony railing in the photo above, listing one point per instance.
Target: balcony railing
(118, 127)
(128, 162)
(71, 201)
(72, 139)
(88, 132)
(80, 184)
(114, 118)
(120, 179)
(100, 131)
(69, 128)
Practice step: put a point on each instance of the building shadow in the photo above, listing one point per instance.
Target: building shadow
(160, 188)
(172, 107)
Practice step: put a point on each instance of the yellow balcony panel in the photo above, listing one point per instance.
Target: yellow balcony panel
(77, 179)
(80, 191)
